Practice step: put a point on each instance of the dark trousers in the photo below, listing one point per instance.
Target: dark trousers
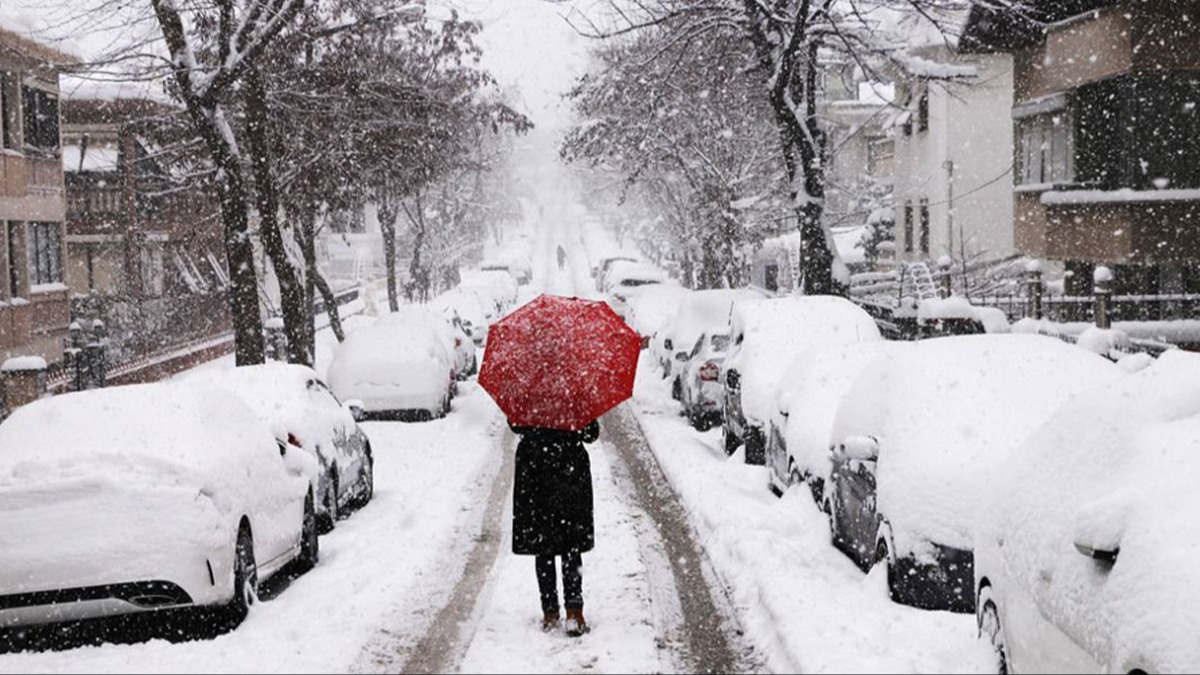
(572, 576)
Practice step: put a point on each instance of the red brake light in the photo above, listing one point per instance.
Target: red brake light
(457, 342)
(709, 371)
(292, 440)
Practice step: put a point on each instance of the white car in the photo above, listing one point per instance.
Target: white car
(142, 498)
(625, 279)
(395, 370)
(297, 406)
(459, 345)
(475, 312)
(810, 392)
(1086, 548)
(699, 381)
(768, 335)
(651, 308)
(500, 286)
(698, 312)
(920, 435)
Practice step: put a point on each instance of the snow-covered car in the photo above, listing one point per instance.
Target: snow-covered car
(699, 385)
(144, 498)
(919, 436)
(652, 307)
(498, 286)
(1085, 549)
(698, 312)
(810, 392)
(395, 370)
(518, 269)
(297, 406)
(767, 336)
(459, 345)
(600, 268)
(626, 279)
(475, 312)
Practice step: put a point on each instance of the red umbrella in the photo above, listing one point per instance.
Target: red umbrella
(559, 362)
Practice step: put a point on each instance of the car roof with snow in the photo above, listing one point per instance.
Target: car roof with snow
(947, 412)
(811, 390)
(171, 430)
(705, 310)
(769, 333)
(622, 270)
(652, 307)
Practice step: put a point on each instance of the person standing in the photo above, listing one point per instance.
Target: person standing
(553, 515)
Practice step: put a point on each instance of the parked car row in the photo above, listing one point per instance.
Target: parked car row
(1033, 483)
(182, 495)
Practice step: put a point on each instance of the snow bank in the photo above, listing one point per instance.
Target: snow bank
(768, 334)
(947, 413)
(1115, 467)
(652, 307)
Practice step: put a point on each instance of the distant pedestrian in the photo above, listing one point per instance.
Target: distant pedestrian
(552, 515)
(562, 257)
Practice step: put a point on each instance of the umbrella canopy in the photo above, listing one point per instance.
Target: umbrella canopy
(559, 362)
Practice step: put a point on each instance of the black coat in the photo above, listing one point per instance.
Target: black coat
(552, 492)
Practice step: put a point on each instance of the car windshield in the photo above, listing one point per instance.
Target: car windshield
(638, 282)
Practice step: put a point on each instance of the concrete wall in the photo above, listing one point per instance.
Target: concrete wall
(970, 125)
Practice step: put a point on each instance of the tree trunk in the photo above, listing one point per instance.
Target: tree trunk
(249, 348)
(291, 291)
(387, 226)
(307, 234)
(331, 308)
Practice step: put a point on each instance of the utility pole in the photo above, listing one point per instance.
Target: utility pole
(949, 166)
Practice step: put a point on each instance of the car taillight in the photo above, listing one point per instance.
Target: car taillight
(457, 342)
(292, 440)
(709, 372)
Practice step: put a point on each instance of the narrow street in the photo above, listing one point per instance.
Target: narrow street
(647, 583)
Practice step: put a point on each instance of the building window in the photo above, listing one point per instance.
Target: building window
(925, 225)
(45, 254)
(908, 227)
(923, 110)
(41, 119)
(771, 277)
(1046, 147)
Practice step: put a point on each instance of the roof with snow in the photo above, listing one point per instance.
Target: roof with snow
(1009, 25)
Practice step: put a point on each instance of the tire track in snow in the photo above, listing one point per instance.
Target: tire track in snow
(448, 635)
(710, 637)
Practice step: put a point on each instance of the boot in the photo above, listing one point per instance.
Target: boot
(550, 621)
(575, 625)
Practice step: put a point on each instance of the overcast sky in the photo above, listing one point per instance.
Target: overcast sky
(528, 44)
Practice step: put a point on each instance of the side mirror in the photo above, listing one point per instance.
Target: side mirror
(861, 448)
(1107, 555)
(355, 407)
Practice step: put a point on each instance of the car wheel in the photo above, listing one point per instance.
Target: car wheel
(794, 477)
(990, 629)
(245, 581)
(729, 440)
(329, 518)
(366, 488)
(703, 422)
(310, 544)
(883, 557)
(676, 389)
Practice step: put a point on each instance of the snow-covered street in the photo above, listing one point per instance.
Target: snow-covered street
(423, 580)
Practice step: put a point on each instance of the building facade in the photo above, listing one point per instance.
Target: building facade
(34, 312)
(1106, 148)
(953, 164)
(144, 234)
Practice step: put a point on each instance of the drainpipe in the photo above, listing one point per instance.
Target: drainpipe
(949, 166)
